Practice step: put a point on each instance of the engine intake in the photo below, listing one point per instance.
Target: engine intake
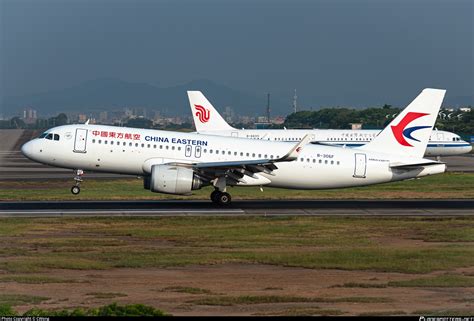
(173, 180)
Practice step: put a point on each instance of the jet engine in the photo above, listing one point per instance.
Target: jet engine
(173, 180)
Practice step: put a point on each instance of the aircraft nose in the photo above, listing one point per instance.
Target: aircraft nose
(27, 150)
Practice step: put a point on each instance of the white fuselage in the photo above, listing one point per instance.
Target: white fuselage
(441, 143)
(132, 151)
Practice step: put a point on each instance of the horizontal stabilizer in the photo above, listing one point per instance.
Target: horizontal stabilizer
(410, 165)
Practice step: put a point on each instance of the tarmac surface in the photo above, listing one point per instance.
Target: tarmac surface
(241, 208)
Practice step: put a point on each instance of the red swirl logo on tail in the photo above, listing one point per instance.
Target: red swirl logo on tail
(202, 113)
(400, 132)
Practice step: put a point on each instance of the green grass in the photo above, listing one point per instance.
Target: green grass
(35, 279)
(20, 299)
(111, 310)
(363, 285)
(445, 280)
(303, 311)
(351, 243)
(448, 185)
(444, 313)
(249, 299)
(442, 281)
(186, 289)
(106, 295)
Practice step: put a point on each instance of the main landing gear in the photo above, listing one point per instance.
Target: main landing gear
(221, 198)
(76, 189)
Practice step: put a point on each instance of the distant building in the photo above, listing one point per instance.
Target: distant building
(82, 118)
(278, 120)
(29, 115)
(465, 109)
(103, 117)
(356, 126)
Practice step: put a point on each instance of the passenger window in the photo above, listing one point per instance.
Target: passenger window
(210, 151)
(105, 142)
(143, 145)
(241, 154)
(217, 151)
(56, 137)
(172, 147)
(167, 147)
(148, 145)
(136, 144)
(111, 142)
(130, 144)
(154, 146)
(93, 141)
(325, 161)
(320, 161)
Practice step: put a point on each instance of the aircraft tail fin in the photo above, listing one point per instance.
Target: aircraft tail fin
(408, 134)
(205, 116)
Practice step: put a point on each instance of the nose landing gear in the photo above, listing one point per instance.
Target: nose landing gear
(76, 189)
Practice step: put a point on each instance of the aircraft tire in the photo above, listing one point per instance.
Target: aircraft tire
(75, 190)
(224, 199)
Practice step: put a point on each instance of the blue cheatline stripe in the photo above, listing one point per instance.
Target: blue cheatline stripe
(362, 144)
(449, 145)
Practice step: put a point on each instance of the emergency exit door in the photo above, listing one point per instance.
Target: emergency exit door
(80, 141)
(360, 165)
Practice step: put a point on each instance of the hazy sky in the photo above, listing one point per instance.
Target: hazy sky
(376, 49)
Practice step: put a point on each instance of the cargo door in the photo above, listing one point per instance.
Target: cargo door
(360, 165)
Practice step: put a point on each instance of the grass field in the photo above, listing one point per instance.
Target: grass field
(448, 185)
(431, 252)
(36, 245)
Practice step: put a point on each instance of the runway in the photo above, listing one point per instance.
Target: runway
(241, 208)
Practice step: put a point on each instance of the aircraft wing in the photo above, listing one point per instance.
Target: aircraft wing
(236, 170)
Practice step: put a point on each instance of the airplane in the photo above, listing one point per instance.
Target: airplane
(207, 120)
(178, 163)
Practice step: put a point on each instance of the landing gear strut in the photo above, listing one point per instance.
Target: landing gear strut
(221, 198)
(76, 189)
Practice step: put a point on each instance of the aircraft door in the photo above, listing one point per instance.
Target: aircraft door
(197, 151)
(188, 151)
(440, 137)
(80, 140)
(360, 165)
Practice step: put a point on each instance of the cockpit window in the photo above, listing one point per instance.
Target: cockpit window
(43, 135)
(56, 137)
(49, 136)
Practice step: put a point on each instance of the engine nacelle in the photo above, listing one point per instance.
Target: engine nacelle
(173, 180)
